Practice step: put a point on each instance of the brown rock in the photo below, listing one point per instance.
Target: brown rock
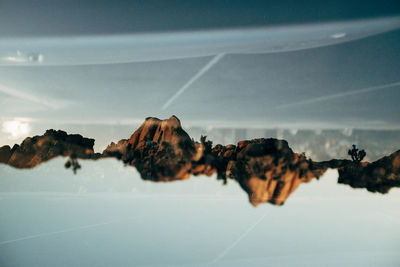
(5, 154)
(116, 150)
(269, 171)
(266, 169)
(33, 151)
(379, 176)
(161, 150)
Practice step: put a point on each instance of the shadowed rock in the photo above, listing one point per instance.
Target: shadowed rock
(116, 150)
(378, 176)
(35, 150)
(266, 169)
(161, 150)
(269, 171)
(5, 154)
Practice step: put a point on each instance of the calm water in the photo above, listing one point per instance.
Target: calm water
(107, 216)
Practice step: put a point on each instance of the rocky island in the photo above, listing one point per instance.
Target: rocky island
(267, 169)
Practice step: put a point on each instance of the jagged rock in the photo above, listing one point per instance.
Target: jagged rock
(116, 150)
(38, 149)
(269, 171)
(378, 176)
(5, 154)
(161, 150)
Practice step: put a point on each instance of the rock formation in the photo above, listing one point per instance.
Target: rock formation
(161, 150)
(266, 169)
(269, 171)
(378, 176)
(35, 150)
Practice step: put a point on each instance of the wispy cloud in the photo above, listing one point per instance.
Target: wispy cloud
(44, 101)
(338, 95)
(197, 76)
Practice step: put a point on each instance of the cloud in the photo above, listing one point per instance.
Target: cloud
(149, 47)
(16, 129)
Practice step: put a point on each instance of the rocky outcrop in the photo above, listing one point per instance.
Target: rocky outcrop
(378, 176)
(266, 169)
(161, 150)
(269, 171)
(5, 154)
(35, 150)
(116, 150)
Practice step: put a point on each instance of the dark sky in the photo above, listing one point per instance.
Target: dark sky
(49, 17)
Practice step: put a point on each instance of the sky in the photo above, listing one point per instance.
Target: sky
(47, 17)
(99, 68)
(225, 63)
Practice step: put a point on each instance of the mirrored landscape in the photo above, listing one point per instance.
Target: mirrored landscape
(199, 133)
(159, 185)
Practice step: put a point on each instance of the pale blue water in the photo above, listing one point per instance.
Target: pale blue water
(107, 216)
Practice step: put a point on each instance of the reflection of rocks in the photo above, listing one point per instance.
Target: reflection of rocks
(269, 171)
(38, 149)
(266, 169)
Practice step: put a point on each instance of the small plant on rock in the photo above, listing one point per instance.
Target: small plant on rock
(356, 154)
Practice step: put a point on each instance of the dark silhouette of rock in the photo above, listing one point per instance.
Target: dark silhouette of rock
(5, 154)
(378, 176)
(35, 150)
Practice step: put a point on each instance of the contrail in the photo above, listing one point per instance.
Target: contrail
(55, 232)
(32, 98)
(339, 95)
(243, 235)
(201, 72)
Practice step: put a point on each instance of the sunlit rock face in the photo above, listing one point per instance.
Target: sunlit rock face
(269, 171)
(266, 169)
(378, 176)
(35, 150)
(161, 150)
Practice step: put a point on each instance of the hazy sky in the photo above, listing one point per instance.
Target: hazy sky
(343, 71)
(315, 75)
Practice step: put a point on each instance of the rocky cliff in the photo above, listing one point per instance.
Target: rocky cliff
(161, 150)
(266, 169)
(35, 150)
